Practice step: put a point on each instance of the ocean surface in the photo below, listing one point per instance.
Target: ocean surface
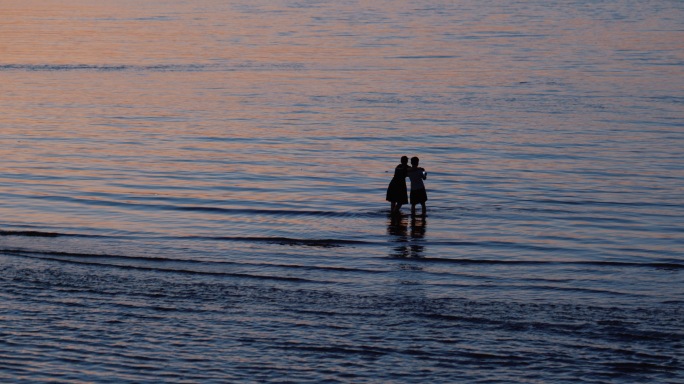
(194, 191)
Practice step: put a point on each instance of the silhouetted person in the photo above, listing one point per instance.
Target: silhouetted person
(396, 191)
(418, 194)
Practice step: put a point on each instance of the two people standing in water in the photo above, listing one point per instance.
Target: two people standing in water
(396, 191)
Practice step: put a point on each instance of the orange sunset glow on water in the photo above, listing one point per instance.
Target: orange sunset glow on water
(207, 191)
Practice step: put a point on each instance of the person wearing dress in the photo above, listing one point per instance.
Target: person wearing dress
(396, 191)
(418, 193)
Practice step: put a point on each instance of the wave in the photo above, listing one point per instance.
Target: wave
(279, 212)
(26, 252)
(45, 234)
(331, 243)
(84, 257)
(603, 203)
(101, 68)
(151, 68)
(617, 264)
(206, 209)
(88, 259)
(325, 243)
(30, 233)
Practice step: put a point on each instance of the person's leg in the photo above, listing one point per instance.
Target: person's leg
(422, 205)
(413, 208)
(397, 208)
(392, 206)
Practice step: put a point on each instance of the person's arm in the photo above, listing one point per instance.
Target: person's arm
(424, 173)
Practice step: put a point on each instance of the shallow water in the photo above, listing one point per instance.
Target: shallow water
(194, 191)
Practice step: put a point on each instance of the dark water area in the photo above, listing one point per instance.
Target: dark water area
(194, 192)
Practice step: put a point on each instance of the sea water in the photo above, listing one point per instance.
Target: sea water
(194, 191)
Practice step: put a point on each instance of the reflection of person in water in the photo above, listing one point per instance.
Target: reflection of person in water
(396, 191)
(418, 228)
(398, 226)
(409, 244)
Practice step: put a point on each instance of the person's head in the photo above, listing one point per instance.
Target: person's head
(404, 160)
(414, 161)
